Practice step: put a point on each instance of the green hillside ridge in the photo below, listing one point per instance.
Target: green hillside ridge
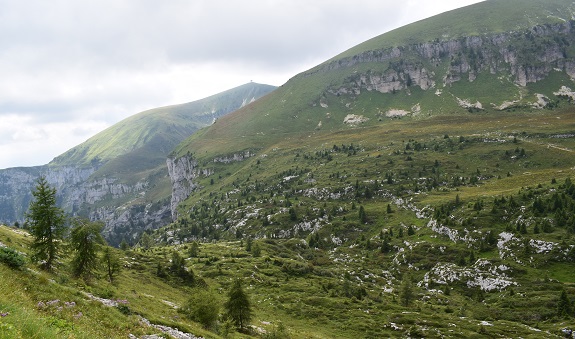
(319, 99)
(484, 18)
(150, 135)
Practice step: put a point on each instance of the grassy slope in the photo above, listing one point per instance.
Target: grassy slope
(487, 17)
(294, 109)
(302, 286)
(21, 291)
(142, 141)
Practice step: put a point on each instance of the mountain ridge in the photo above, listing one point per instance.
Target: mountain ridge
(422, 192)
(416, 72)
(119, 175)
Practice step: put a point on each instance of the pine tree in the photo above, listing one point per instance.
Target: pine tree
(194, 249)
(238, 306)
(362, 215)
(124, 245)
(85, 238)
(46, 222)
(178, 268)
(146, 241)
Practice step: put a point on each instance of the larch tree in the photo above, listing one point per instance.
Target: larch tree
(111, 263)
(46, 222)
(85, 240)
(238, 307)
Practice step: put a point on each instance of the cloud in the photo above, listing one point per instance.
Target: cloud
(65, 62)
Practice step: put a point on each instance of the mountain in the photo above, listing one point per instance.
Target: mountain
(468, 59)
(430, 157)
(489, 58)
(417, 185)
(119, 175)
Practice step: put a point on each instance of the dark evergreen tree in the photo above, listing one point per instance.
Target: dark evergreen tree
(178, 268)
(564, 307)
(406, 292)
(124, 245)
(46, 222)
(362, 215)
(238, 307)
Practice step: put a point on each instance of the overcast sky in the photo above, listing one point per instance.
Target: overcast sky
(71, 68)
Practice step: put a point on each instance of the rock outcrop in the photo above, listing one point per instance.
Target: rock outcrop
(78, 193)
(183, 172)
(541, 50)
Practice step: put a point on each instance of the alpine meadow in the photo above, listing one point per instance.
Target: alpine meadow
(420, 184)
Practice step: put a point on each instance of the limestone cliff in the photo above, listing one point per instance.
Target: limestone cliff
(119, 176)
(526, 56)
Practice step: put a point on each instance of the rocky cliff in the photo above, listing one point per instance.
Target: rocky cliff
(119, 176)
(78, 194)
(185, 172)
(523, 57)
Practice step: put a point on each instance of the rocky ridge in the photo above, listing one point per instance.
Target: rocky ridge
(439, 64)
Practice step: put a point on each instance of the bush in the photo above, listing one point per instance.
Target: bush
(11, 257)
(124, 309)
(203, 307)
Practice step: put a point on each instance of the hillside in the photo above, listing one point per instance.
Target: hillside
(417, 185)
(438, 159)
(119, 175)
(518, 58)
(155, 132)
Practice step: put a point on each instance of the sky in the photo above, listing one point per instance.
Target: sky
(71, 68)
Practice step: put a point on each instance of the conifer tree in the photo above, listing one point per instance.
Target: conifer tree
(564, 308)
(85, 240)
(111, 263)
(46, 222)
(194, 249)
(124, 245)
(362, 215)
(238, 307)
(406, 292)
(146, 241)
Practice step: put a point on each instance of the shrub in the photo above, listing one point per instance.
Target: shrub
(11, 257)
(203, 307)
(124, 309)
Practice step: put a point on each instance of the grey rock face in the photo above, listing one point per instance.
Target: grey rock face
(77, 193)
(542, 50)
